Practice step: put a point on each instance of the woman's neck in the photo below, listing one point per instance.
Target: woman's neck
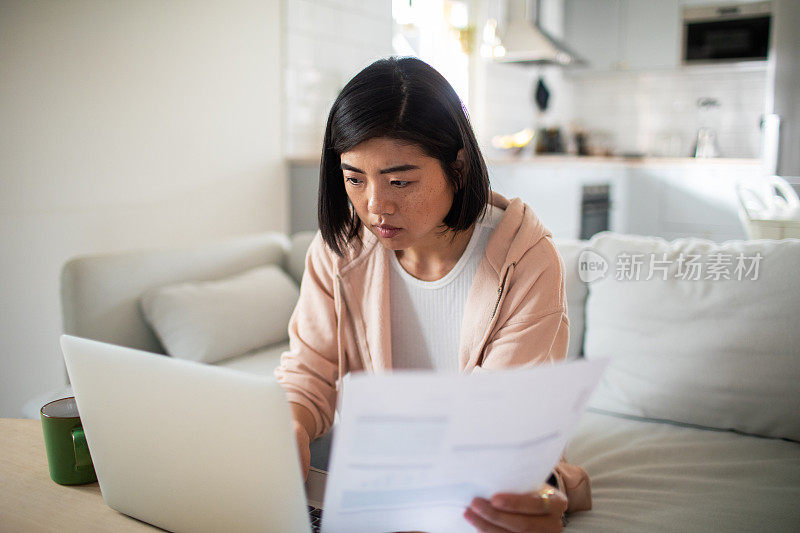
(434, 261)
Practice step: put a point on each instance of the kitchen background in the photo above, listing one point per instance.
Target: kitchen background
(646, 104)
(636, 106)
(160, 124)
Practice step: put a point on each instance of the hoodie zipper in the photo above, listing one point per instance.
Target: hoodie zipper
(500, 289)
(491, 323)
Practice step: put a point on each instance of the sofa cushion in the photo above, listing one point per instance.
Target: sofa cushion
(261, 361)
(570, 250)
(715, 352)
(296, 254)
(212, 320)
(658, 476)
(100, 293)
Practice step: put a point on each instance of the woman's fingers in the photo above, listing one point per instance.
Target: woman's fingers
(494, 519)
(548, 501)
(481, 524)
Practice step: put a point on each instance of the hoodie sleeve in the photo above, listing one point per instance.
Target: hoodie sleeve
(531, 340)
(533, 329)
(308, 371)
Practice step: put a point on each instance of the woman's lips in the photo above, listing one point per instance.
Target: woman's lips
(386, 231)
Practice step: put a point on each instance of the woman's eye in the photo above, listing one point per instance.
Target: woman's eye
(400, 183)
(353, 181)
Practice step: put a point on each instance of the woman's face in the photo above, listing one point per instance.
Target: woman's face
(400, 194)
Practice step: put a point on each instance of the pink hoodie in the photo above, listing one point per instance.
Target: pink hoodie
(515, 315)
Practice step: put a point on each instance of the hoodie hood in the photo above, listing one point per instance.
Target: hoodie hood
(518, 231)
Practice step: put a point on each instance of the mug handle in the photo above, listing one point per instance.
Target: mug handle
(82, 457)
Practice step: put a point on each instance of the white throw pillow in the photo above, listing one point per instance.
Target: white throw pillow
(721, 353)
(208, 321)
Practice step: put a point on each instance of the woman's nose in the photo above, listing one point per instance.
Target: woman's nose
(379, 202)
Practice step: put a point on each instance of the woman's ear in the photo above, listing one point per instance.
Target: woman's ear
(460, 165)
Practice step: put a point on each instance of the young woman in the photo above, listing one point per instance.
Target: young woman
(419, 265)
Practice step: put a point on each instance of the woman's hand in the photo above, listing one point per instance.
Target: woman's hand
(533, 511)
(303, 447)
(303, 429)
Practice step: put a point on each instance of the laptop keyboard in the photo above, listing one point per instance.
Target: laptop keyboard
(315, 514)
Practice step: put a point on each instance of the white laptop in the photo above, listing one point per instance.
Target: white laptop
(187, 446)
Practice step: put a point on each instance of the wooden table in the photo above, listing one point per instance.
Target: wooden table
(31, 501)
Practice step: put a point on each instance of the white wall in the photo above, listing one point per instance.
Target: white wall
(327, 43)
(124, 125)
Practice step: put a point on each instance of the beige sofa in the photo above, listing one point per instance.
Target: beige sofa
(100, 294)
(692, 428)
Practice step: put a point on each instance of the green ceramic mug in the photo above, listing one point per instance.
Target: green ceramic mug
(67, 452)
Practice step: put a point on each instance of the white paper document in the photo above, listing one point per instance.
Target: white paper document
(413, 449)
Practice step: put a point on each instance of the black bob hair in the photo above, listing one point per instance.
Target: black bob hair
(406, 99)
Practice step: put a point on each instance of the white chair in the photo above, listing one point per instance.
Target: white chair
(769, 208)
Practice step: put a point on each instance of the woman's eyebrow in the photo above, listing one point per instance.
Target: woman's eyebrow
(398, 168)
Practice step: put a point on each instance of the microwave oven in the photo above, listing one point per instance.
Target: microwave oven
(733, 32)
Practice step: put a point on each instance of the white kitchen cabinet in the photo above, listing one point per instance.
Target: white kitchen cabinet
(699, 201)
(554, 191)
(552, 194)
(624, 34)
(652, 34)
(642, 205)
(663, 198)
(592, 30)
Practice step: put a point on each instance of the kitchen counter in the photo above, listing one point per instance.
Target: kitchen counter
(553, 159)
(666, 197)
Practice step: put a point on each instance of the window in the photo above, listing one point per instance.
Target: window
(438, 32)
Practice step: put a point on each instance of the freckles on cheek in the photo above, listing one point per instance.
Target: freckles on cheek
(359, 209)
(358, 204)
(418, 209)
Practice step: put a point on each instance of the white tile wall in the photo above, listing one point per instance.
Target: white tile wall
(509, 105)
(326, 42)
(654, 112)
(643, 111)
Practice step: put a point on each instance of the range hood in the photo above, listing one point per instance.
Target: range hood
(526, 42)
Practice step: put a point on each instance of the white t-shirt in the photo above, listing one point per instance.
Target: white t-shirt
(426, 315)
